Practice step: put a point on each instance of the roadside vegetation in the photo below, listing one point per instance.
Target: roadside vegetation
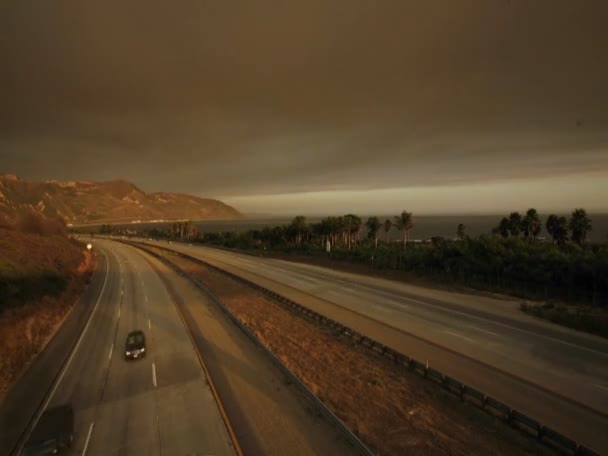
(42, 273)
(515, 258)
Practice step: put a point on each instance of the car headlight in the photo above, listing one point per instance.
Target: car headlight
(128, 353)
(142, 350)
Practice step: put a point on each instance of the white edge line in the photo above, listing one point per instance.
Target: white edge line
(458, 335)
(601, 387)
(86, 443)
(111, 349)
(149, 325)
(475, 328)
(119, 312)
(46, 403)
(154, 374)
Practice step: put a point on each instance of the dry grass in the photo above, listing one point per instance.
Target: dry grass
(391, 409)
(41, 277)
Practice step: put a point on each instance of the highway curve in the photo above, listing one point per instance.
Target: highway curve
(160, 404)
(163, 404)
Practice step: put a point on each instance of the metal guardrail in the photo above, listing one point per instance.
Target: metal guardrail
(362, 449)
(465, 392)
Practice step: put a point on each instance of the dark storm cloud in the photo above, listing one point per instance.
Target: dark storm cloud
(238, 98)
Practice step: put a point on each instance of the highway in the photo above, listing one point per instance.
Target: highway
(553, 374)
(160, 404)
(163, 404)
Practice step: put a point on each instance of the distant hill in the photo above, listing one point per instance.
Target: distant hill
(117, 201)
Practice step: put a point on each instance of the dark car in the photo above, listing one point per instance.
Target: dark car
(53, 433)
(136, 345)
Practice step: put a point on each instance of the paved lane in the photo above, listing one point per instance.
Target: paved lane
(158, 405)
(270, 415)
(437, 326)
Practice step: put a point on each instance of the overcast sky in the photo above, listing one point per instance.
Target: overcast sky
(316, 106)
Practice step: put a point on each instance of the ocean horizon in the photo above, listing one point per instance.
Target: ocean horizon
(425, 226)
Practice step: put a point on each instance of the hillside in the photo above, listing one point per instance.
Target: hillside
(41, 277)
(115, 201)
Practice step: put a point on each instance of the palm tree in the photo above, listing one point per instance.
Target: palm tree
(358, 227)
(531, 224)
(337, 226)
(557, 227)
(352, 223)
(300, 223)
(373, 225)
(460, 231)
(502, 228)
(320, 230)
(404, 223)
(387, 227)
(514, 224)
(579, 225)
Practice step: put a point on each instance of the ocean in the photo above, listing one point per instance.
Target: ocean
(425, 226)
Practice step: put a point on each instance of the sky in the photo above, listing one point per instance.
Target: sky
(317, 106)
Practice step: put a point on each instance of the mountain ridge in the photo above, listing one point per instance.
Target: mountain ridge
(114, 201)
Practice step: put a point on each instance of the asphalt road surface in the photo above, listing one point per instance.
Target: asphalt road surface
(553, 374)
(160, 404)
(269, 415)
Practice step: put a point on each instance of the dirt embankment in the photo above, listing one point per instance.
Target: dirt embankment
(391, 409)
(41, 277)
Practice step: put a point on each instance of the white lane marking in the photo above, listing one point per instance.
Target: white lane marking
(86, 443)
(119, 312)
(146, 298)
(601, 386)
(459, 335)
(111, 349)
(475, 328)
(154, 374)
(149, 324)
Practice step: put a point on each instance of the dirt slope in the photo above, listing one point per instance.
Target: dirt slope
(115, 201)
(41, 278)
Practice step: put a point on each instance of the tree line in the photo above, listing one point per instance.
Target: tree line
(513, 258)
(559, 228)
(339, 231)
